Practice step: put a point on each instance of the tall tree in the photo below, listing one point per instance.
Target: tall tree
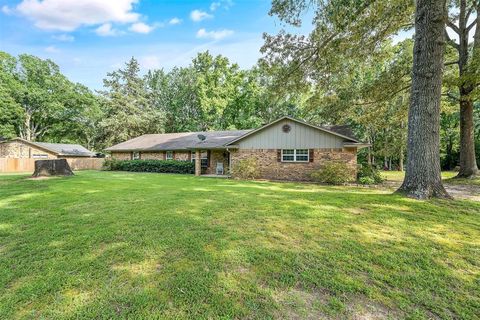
(423, 176)
(468, 62)
(127, 109)
(35, 98)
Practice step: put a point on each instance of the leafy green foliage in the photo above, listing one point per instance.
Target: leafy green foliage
(246, 169)
(128, 112)
(369, 175)
(160, 166)
(333, 172)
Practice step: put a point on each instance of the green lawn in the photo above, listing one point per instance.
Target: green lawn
(399, 175)
(126, 245)
(447, 176)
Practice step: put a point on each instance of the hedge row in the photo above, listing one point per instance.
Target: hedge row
(161, 166)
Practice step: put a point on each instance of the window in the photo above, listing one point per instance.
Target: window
(295, 155)
(203, 160)
(135, 155)
(39, 156)
(169, 155)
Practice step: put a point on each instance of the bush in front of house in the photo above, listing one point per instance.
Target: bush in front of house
(160, 166)
(333, 173)
(245, 169)
(369, 175)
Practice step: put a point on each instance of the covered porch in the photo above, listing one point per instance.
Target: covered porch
(211, 162)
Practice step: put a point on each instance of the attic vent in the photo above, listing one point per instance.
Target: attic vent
(286, 128)
(201, 137)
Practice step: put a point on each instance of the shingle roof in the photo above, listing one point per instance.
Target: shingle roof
(179, 141)
(344, 130)
(62, 149)
(66, 149)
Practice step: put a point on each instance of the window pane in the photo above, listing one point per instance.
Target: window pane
(302, 158)
(302, 154)
(288, 155)
(169, 155)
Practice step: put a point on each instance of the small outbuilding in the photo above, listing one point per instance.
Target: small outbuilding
(19, 148)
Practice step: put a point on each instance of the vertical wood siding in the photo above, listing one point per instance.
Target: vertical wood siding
(300, 137)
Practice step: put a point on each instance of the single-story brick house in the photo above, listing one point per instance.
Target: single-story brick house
(19, 148)
(285, 149)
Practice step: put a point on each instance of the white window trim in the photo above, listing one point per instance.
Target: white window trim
(39, 156)
(192, 158)
(295, 155)
(169, 153)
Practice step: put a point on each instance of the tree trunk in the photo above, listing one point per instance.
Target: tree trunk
(57, 167)
(423, 179)
(400, 162)
(27, 124)
(468, 161)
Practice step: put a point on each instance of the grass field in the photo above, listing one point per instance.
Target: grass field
(125, 245)
(448, 177)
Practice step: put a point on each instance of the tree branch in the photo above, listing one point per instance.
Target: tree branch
(448, 94)
(450, 41)
(451, 62)
(453, 26)
(391, 94)
(469, 12)
(471, 25)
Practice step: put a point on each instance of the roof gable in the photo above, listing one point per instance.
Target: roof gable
(326, 130)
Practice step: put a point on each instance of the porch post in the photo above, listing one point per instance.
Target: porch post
(198, 162)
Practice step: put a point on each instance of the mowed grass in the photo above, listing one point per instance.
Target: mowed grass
(400, 175)
(109, 245)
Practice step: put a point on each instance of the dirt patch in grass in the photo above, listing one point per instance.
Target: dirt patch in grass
(298, 303)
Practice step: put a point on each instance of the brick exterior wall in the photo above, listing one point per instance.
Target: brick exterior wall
(217, 156)
(18, 149)
(122, 155)
(270, 168)
(151, 156)
(159, 155)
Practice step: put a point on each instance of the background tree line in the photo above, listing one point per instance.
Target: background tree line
(347, 71)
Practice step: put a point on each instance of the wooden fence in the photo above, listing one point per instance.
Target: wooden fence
(28, 165)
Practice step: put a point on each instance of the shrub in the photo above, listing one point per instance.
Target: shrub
(109, 164)
(366, 180)
(160, 166)
(333, 173)
(370, 172)
(245, 169)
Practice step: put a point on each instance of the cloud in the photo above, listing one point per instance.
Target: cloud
(214, 35)
(6, 10)
(141, 27)
(214, 6)
(51, 49)
(175, 21)
(226, 4)
(68, 15)
(198, 15)
(106, 30)
(64, 37)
